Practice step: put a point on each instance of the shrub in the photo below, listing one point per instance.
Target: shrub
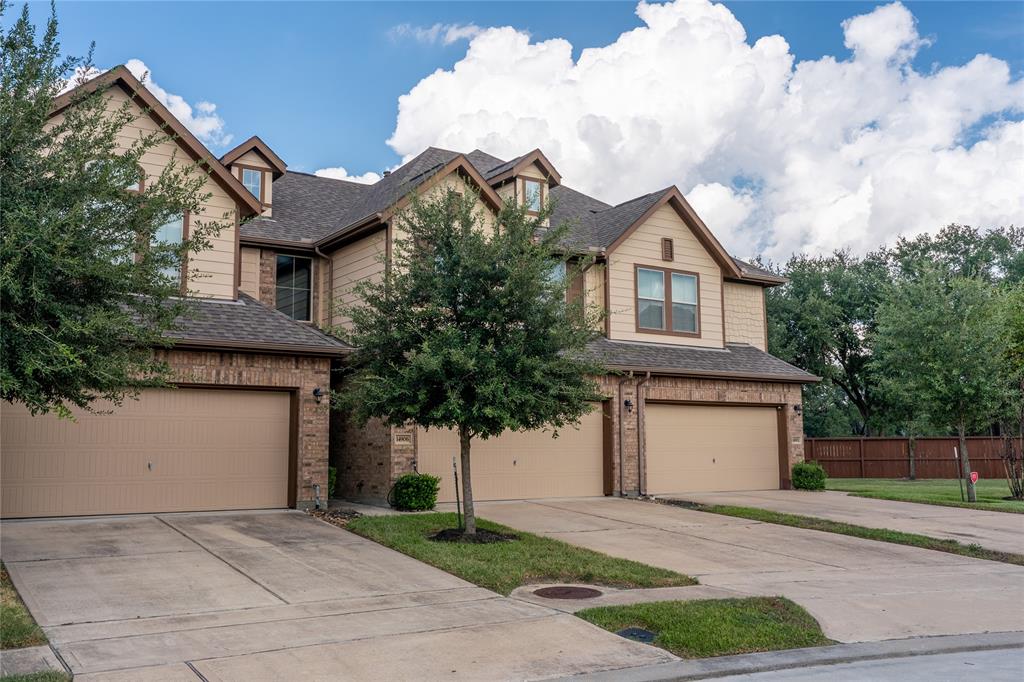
(332, 480)
(808, 476)
(415, 492)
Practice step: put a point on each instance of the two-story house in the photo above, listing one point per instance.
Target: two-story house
(692, 400)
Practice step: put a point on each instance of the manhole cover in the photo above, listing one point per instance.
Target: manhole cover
(567, 592)
(637, 635)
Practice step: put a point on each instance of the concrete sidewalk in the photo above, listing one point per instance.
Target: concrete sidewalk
(999, 531)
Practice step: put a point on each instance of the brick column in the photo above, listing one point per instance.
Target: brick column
(268, 277)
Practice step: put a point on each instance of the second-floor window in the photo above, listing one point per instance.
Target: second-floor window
(532, 198)
(294, 286)
(171, 232)
(253, 181)
(667, 301)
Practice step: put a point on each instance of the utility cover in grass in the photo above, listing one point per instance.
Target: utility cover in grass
(716, 627)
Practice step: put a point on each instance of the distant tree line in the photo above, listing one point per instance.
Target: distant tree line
(925, 337)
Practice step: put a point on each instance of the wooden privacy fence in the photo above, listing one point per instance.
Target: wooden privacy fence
(890, 457)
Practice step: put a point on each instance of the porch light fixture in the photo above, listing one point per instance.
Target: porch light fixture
(318, 393)
(629, 406)
(799, 409)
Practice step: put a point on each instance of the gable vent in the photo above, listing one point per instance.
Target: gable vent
(667, 249)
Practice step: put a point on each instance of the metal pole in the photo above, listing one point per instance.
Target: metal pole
(458, 503)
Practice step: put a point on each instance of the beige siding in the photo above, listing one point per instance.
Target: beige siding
(322, 268)
(353, 263)
(744, 314)
(256, 161)
(252, 159)
(643, 247)
(593, 288)
(250, 279)
(211, 273)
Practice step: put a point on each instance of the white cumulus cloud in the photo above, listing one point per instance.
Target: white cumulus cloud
(446, 34)
(846, 151)
(339, 173)
(202, 120)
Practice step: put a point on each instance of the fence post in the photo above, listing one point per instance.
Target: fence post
(861, 448)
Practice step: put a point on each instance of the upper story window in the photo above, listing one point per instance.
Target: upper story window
(171, 232)
(667, 301)
(294, 286)
(533, 195)
(253, 181)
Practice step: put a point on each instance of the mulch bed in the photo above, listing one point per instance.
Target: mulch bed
(335, 517)
(482, 536)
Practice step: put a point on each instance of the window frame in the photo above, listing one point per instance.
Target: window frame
(312, 287)
(667, 274)
(183, 269)
(263, 180)
(541, 184)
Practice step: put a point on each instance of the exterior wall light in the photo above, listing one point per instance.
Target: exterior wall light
(629, 406)
(798, 408)
(318, 393)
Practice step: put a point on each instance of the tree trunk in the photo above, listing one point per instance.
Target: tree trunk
(965, 462)
(467, 486)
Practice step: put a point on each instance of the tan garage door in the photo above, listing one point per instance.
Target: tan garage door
(171, 450)
(517, 466)
(694, 448)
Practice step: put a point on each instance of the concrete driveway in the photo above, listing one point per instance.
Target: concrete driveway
(859, 590)
(992, 530)
(278, 595)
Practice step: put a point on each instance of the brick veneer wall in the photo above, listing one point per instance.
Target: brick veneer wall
(268, 277)
(299, 374)
(371, 458)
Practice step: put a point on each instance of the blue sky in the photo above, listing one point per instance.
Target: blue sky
(320, 81)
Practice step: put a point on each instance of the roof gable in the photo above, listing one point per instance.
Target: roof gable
(255, 144)
(510, 169)
(640, 209)
(120, 76)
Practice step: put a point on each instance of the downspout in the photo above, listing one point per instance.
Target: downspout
(330, 284)
(622, 442)
(641, 455)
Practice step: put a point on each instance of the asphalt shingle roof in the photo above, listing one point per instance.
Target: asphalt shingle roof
(247, 322)
(306, 207)
(735, 360)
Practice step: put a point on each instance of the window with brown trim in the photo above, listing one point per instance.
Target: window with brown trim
(533, 195)
(667, 249)
(667, 301)
(253, 181)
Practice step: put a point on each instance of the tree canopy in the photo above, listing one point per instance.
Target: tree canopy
(88, 285)
(469, 328)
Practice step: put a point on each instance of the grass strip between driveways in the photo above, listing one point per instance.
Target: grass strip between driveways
(504, 566)
(941, 492)
(716, 627)
(17, 628)
(880, 534)
(44, 676)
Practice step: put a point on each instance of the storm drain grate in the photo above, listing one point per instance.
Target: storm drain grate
(567, 592)
(637, 635)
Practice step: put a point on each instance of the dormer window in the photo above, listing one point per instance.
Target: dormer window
(253, 181)
(533, 197)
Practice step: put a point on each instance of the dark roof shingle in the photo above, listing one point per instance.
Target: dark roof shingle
(306, 207)
(735, 360)
(247, 323)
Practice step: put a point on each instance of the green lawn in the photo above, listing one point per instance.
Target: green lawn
(930, 491)
(45, 676)
(504, 566)
(716, 627)
(880, 534)
(17, 629)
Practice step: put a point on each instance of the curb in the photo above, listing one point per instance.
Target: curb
(803, 658)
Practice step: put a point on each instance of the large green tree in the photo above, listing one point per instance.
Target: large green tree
(87, 287)
(940, 344)
(468, 329)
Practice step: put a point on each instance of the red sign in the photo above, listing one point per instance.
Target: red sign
(974, 477)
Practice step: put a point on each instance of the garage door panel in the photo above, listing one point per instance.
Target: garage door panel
(171, 450)
(521, 465)
(698, 448)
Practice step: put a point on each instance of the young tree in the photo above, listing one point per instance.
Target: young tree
(82, 277)
(468, 330)
(939, 342)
